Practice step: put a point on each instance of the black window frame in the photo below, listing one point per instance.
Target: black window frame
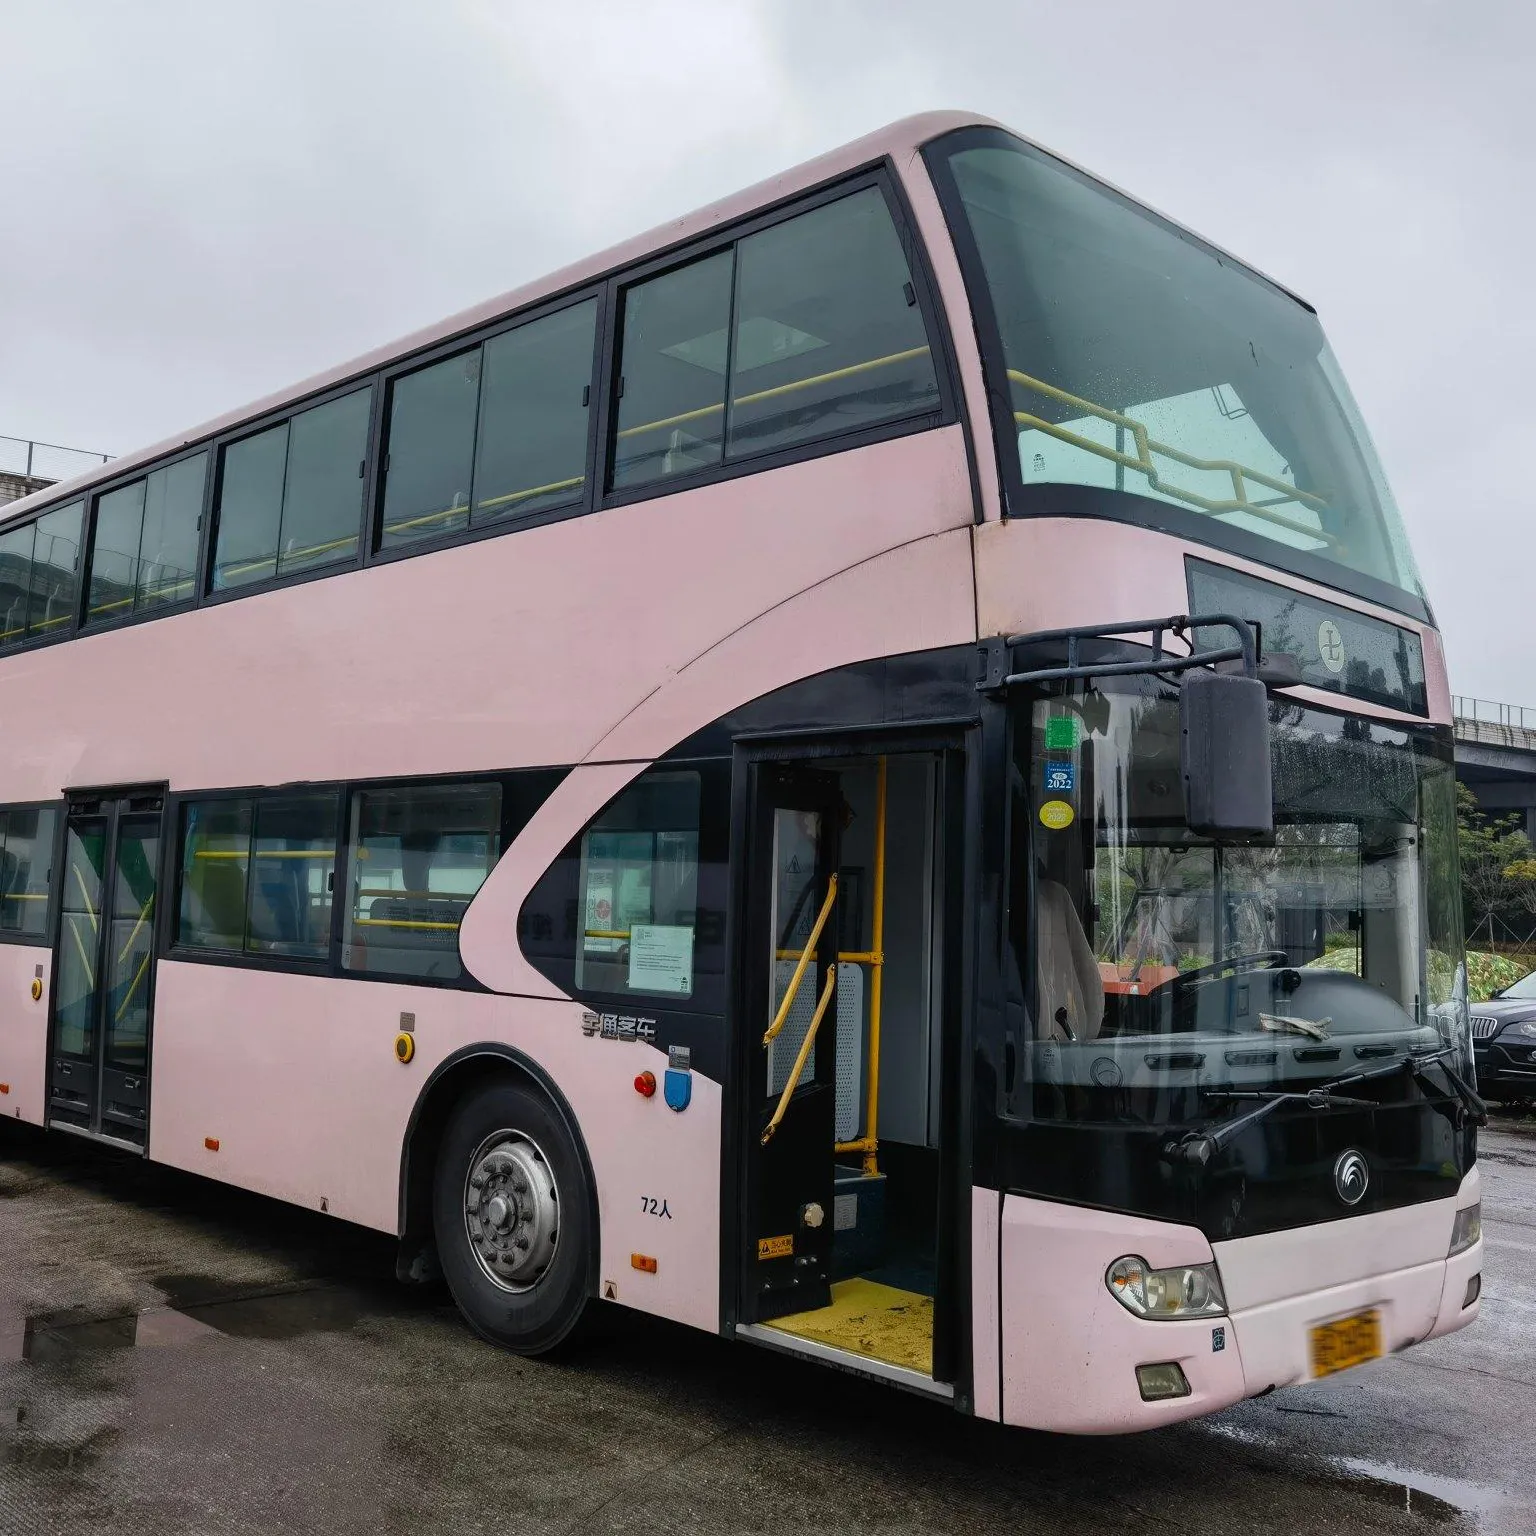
(455, 347)
(43, 940)
(169, 945)
(882, 177)
(606, 290)
(206, 594)
(523, 792)
(559, 885)
(88, 545)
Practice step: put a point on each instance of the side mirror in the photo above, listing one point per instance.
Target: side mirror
(1224, 755)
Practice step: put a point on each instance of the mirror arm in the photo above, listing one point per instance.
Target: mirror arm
(996, 677)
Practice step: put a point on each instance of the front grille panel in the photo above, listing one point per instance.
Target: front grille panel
(1483, 1027)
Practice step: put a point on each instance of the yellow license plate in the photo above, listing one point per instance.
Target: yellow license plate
(1345, 1342)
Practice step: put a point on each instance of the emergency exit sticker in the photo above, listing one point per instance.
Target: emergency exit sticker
(1060, 778)
(1060, 733)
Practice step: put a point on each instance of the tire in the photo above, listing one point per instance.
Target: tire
(518, 1269)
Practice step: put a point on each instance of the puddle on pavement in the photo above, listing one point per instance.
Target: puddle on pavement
(1439, 1500)
(1424, 1493)
(290, 1314)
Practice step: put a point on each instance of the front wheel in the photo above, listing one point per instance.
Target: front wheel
(511, 1210)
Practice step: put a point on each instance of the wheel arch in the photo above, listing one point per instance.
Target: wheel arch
(468, 1067)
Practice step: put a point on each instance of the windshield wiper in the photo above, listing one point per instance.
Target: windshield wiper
(1471, 1101)
(1198, 1147)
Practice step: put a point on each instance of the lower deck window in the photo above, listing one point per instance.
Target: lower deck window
(256, 874)
(417, 857)
(26, 868)
(639, 890)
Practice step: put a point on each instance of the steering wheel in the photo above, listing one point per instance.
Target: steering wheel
(1260, 957)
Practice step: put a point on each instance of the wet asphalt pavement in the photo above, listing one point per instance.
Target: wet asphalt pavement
(178, 1357)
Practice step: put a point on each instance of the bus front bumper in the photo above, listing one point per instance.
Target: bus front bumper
(1070, 1350)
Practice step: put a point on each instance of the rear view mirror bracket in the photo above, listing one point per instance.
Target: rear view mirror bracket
(1224, 748)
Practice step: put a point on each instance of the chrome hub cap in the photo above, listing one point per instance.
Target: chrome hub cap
(511, 1210)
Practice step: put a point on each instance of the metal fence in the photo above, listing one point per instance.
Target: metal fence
(1491, 712)
(45, 461)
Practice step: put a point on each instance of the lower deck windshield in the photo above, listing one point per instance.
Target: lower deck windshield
(1162, 968)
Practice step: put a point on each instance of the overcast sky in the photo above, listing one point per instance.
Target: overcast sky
(204, 201)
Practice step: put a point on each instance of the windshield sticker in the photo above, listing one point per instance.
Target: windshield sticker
(1057, 815)
(1060, 733)
(1060, 778)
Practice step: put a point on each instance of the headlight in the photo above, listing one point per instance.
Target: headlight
(1190, 1290)
(1468, 1228)
(1528, 1028)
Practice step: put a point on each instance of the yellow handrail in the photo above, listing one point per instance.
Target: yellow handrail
(149, 901)
(401, 922)
(778, 389)
(85, 959)
(1142, 461)
(805, 1051)
(132, 990)
(805, 959)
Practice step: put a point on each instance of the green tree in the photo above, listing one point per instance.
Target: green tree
(1498, 863)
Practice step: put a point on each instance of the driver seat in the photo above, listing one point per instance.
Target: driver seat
(1071, 985)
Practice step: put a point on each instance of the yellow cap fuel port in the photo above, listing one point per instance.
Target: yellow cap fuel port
(405, 1047)
(37, 989)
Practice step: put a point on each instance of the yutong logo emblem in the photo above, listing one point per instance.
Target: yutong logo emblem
(1330, 646)
(1351, 1177)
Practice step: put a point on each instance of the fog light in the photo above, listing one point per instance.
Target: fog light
(1474, 1290)
(1161, 1381)
(1468, 1228)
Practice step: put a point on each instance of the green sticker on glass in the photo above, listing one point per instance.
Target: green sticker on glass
(1060, 733)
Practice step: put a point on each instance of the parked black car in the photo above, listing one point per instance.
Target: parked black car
(1504, 1042)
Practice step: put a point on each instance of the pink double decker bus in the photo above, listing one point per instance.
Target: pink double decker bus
(868, 772)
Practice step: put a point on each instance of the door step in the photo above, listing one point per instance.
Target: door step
(98, 1136)
(873, 1321)
(775, 1336)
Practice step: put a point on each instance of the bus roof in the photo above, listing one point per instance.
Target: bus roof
(895, 141)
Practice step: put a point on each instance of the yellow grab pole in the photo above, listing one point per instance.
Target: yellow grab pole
(876, 977)
(805, 960)
(800, 1060)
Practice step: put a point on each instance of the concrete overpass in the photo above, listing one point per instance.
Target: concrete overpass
(1496, 756)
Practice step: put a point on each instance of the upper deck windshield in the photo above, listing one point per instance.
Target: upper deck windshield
(1159, 380)
(1167, 968)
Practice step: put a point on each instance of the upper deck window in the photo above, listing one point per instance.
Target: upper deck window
(805, 330)
(1162, 381)
(39, 575)
(144, 549)
(498, 431)
(291, 498)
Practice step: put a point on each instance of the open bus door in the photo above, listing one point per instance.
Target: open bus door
(789, 981)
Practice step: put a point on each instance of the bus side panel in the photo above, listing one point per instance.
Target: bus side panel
(505, 652)
(295, 1078)
(915, 598)
(1102, 571)
(24, 1032)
